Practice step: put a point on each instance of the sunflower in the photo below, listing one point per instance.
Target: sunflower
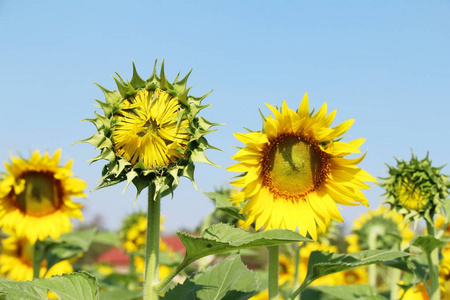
(295, 172)
(286, 269)
(416, 189)
(388, 225)
(16, 260)
(35, 196)
(150, 133)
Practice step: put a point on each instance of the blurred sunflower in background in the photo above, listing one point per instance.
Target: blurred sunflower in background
(133, 235)
(295, 173)
(389, 227)
(36, 196)
(16, 260)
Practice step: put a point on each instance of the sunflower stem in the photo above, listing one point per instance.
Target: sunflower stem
(36, 262)
(297, 266)
(152, 246)
(395, 278)
(433, 264)
(274, 257)
(132, 269)
(373, 267)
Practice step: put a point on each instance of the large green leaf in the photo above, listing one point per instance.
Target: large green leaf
(341, 292)
(115, 293)
(220, 238)
(73, 286)
(324, 263)
(428, 243)
(67, 246)
(229, 279)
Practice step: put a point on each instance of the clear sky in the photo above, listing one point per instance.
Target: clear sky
(384, 63)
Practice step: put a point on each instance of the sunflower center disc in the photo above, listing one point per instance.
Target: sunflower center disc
(411, 197)
(40, 195)
(294, 166)
(25, 251)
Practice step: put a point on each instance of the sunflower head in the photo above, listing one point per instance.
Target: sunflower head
(416, 189)
(16, 260)
(388, 225)
(35, 196)
(294, 171)
(150, 132)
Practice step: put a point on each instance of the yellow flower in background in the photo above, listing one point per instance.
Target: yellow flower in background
(353, 276)
(295, 173)
(286, 269)
(16, 260)
(134, 232)
(35, 196)
(387, 225)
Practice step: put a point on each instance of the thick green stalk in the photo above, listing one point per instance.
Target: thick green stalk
(274, 252)
(36, 262)
(373, 267)
(433, 266)
(132, 269)
(395, 278)
(152, 247)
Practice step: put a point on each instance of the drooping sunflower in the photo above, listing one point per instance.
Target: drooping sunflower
(295, 172)
(416, 189)
(35, 196)
(16, 260)
(150, 132)
(388, 226)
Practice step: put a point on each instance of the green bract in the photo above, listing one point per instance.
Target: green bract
(416, 189)
(150, 133)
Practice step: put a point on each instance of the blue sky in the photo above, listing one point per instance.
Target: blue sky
(384, 63)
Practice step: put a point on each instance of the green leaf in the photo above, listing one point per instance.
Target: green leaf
(229, 279)
(324, 263)
(107, 238)
(73, 286)
(220, 238)
(68, 246)
(115, 293)
(341, 292)
(222, 203)
(428, 243)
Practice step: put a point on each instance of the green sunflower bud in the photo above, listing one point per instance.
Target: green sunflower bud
(416, 189)
(150, 133)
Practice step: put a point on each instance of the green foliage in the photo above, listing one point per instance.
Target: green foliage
(229, 279)
(341, 292)
(73, 286)
(69, 245)
(222, 238)
(428, 243)
(324, 263)
(107, 238)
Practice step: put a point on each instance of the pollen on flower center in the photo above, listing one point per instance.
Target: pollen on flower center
(41, 194)
(293, 166)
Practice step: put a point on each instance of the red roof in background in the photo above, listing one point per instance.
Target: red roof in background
(174, 243)
(114, 256)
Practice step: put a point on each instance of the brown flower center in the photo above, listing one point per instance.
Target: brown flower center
(42, 194)
(294, 166)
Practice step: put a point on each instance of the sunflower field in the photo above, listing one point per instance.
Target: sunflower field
(293, 218)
